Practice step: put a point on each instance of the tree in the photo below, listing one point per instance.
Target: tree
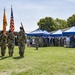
(61, 23)
(47, 23)
(71, 21)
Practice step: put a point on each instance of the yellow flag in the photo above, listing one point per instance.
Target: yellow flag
(4, 22)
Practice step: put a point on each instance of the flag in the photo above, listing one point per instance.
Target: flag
(22, 27)
(12, 21)
(4, 22)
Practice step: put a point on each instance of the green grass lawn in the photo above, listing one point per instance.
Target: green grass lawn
(45, 61)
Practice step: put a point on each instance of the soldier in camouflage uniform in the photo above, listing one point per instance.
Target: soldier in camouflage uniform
(21, 42)
(36, 43)
(10, 41)
(0, 39)
(3, 43)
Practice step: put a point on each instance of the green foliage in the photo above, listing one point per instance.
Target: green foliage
(45, 61)
(50, 24)
(71, 21)
(61, 23)
(47, 23)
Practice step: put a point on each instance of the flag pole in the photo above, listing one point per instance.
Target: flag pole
(12, 21)
(22, 27)
(4, 22)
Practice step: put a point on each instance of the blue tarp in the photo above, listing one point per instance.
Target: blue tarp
(38, 32)
(70, 31)
(58, 33)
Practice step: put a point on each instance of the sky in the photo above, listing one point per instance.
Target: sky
(29, 12)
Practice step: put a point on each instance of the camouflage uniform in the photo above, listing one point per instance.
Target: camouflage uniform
(0, 40)
(36, 43)
(21, 42)
(10, 41)
(3, 43)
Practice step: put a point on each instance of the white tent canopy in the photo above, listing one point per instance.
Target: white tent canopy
(70, 31)
(57, 33)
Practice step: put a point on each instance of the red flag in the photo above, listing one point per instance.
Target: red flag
(4, 22)
(12, 21)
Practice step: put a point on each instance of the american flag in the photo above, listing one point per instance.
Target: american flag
(12, 21)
